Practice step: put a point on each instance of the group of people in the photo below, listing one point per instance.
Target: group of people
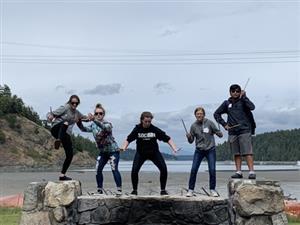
(240, 125)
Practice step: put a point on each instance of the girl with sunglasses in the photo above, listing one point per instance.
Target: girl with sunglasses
(63, 120)
(109, 150)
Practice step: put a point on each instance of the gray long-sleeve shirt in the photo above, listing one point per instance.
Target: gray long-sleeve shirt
(66, 114)
(203, 132)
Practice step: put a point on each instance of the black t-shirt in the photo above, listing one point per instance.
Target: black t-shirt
(146, 138)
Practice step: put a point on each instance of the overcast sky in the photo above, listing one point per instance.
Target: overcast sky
(163, 56)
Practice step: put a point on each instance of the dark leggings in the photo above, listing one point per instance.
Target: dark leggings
(157, 158)
(59, 132)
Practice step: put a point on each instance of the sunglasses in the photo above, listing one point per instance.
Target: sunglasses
(98, 113)
(74, 103)
(236, 91)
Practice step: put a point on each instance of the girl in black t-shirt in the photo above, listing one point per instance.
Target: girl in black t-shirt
(146, 136)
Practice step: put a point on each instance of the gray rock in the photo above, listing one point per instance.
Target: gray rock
(34, 196)
(100, 215)
(258, 200)
(119, 215)
(36, 218)
(85, 217)
(60, 214)
(61, 193)
(279, 219)
(254, 220)
(87, 204)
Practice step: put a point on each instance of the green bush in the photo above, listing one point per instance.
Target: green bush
(12, 120)
(36, 130)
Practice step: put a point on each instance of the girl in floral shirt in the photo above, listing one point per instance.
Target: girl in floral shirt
(109, 150)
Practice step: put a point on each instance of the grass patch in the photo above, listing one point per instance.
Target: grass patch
(293, 220)
(10, 216)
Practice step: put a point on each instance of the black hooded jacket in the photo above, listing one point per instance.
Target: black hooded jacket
(238, 113)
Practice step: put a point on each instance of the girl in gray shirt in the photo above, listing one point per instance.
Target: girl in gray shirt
(63, 120)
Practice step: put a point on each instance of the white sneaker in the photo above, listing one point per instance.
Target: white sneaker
(190, 193)
(214, 193)
(119, 193)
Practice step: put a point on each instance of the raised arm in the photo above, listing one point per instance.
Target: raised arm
(247, 103)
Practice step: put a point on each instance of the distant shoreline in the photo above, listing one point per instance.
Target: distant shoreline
(169, 162)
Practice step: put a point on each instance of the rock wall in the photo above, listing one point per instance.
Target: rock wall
(62, 203)
(254, 202)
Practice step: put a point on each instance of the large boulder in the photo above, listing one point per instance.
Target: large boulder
(34, 196)
(258, 200)
(253, 202)
(61, 193)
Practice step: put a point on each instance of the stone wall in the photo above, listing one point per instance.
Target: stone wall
(62, 203)
(254, 202)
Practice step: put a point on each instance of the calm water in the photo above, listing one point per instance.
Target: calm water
(185, 166)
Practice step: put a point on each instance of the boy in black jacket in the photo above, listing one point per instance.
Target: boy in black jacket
(240, 126)
(146, 136)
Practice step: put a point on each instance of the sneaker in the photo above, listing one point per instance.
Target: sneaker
(214, 193)
(64, 178)
(237, 176)
(57, 143)
(134, 192)
(252, 176)
(119, 192)
(190, 193)
(164, 192)
(100, 191)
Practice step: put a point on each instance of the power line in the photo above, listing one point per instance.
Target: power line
(142, 59)
(152, 63)
(148, 1)
(130, 57)
(151, 52)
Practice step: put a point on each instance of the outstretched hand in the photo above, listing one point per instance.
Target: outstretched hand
(122, 149)
(176, 150)
(91, 117)
(50, 117)
(219, 134)
(243, 93)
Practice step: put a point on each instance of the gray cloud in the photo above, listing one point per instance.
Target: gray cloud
(162, 87)
(169, 32)
(107, 89)
(59, 87)
(63, 88)
(70, 92)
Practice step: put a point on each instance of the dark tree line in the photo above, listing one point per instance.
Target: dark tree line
(282, 145)
(12, 104)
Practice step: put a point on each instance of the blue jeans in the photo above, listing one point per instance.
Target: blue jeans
(210, 155)
(113, 158)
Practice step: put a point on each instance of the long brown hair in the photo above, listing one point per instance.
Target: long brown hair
(73, 96)
(146, 114)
